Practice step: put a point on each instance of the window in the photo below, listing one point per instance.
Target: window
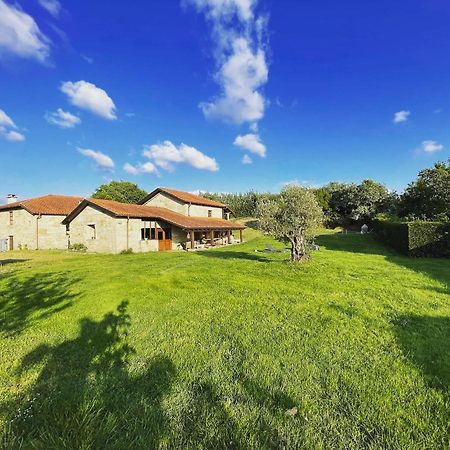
(11, 217)
(168, 233)
(209, 212)
(147, 233)
(93, 231)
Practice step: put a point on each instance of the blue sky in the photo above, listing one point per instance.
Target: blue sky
(221, 95)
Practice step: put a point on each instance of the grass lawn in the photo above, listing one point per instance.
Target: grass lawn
(226, 348)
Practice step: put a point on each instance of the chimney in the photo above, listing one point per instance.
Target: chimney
(11, 198)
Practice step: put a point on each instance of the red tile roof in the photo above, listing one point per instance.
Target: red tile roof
(56, 205)
(151, 212)
(185, 197)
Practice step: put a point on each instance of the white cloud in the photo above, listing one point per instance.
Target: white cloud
(8, 127)
(401, 116)
(51, 6)
(20, 34)
(254, 127)
(252, 143)
(101, 160)
(166, 155)
(88, 96)
(247, 160)
(5, 120)
(11, 135)
(240, 57)
(431, 147)
(219, 8)
(147, 167)
(63, 119)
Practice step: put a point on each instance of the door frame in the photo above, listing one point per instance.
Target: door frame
(163, 244)
(11, 243)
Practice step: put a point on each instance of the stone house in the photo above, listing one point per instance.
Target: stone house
(166, 219)
(36, 223)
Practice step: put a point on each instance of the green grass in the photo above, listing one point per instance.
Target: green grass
(211, 349)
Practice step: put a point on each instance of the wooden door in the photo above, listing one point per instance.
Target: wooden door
(11, 242)
(163, 243)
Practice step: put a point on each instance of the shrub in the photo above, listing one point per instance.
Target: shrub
(128, 251)
(429, 239)
(418, 238)
(78, 248)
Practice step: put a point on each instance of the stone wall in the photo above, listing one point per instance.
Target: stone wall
(33, 231)
(164, 200)
(113, 235)
(105, 236)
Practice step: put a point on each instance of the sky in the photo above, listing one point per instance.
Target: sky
(221, 95)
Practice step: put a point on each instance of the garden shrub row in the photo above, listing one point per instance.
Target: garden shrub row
(417, 238)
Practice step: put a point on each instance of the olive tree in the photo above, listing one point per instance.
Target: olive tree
(291, 217)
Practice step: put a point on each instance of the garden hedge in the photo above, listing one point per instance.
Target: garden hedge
(415, 238)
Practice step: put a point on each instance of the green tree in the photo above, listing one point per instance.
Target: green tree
(353, 202)
(291, 217)
(429, 196)
(120, 191)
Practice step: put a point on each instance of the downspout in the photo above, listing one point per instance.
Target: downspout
(37, 231)
(128, 243)
(189, 209)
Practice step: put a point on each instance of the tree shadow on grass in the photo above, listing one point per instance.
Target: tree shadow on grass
(237, 412)
(220, 254)
(85, 396)
(425, 340)
(5, 262)
(436, 268)
(30, 299)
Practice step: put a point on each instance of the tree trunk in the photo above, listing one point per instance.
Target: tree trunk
(298, 248)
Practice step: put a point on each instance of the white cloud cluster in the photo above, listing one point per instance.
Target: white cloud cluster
(53, 7)
(167, 154)
(252, 143)
(20, 34)
(88, 96)
(241, 60)
(62, 119)
(401, 116)
(8, 128)
(147, 167)
(101, 160)
(246, 160)
(431, 147)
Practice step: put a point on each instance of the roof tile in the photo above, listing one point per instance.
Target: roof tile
(57, 205)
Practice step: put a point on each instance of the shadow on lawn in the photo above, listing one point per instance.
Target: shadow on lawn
(220, 254)
(436, 268)
(426, 341)
(233, 410)
(5, 262)
(24, 300)
(85, 397)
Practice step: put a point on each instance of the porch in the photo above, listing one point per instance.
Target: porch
(199, 239)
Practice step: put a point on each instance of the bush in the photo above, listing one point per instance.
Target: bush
(429, 239)
(78, 248)
(417, 238)
(128, 251)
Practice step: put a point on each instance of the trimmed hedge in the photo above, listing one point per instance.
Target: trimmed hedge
(418, 239)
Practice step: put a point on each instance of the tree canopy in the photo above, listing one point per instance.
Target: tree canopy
(291, 217)
(347, 202)
(429, 196)
(120, 191)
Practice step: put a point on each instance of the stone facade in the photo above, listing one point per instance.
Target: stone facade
(103, 233)
(33, 231)
(104, 230)
(164, 200)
